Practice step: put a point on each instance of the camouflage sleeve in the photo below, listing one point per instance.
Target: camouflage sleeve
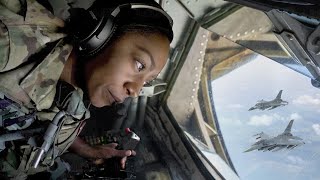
(21, 37)
(12, 5)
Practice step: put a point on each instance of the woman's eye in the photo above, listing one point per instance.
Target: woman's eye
(140, 66)
(148, 83)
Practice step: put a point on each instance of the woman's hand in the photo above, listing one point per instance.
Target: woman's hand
(109, 151)
(99, 153)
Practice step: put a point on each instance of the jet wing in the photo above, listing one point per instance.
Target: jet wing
(264, 107)
(262, 136)
(295, 137)
(272, 107)
(278, 148)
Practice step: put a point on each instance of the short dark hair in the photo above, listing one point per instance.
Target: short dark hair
(148, 21)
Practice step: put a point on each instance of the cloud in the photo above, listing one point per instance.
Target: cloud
(235, 106)
(290, 167)
(230, 121)
(296, 160)
(267, 120)
(263, 120)
(295, 116)
(278, 117)
(308, 100)
(316, 128)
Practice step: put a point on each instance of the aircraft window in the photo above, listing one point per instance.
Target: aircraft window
(244, 87)
(211, 97)
(239, 80)
(238, 86)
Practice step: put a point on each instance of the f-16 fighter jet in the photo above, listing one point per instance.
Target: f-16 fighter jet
(263, 105)
(282, 141)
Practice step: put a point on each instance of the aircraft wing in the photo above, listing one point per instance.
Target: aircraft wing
(264, 107)
(295, 137)
(272, 107)
(262, 136)
(278, 148)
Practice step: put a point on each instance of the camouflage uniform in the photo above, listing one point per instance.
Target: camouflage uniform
(27, 75)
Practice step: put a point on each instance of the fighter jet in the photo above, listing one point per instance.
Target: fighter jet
(263, 105)
(282, 141)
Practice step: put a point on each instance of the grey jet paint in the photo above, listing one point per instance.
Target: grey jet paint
(263, 105)
(284, 140)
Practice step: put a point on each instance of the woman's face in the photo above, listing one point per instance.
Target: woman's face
(123, 68)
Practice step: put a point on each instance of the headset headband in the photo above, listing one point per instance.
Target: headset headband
(105, 28)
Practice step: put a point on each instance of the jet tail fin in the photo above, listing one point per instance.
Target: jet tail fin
(279, 95)
(288, 128)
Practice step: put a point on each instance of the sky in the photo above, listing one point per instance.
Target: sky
(239, 90)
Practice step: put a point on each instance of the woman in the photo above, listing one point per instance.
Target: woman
(42, 60)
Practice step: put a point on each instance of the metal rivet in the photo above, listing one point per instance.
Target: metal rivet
(204, 36)
(253, 31)
(193, 89)
(195, 82)
(199, 59)
(290, 37)
(191, 104)
(201, 52)
(197, 75)
(238, 34)
(246, 32)
(231, 37)
(192, 97)
(196, 68)
(202, 44)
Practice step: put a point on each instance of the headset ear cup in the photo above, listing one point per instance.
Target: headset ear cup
(79, 25)
(98, 37)
(98, 49)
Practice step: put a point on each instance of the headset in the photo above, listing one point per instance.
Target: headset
(94, 39)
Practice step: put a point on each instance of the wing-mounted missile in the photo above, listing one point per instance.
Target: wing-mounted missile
(279, 147)
(272, 147)
(272, 107)
(291, 146)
